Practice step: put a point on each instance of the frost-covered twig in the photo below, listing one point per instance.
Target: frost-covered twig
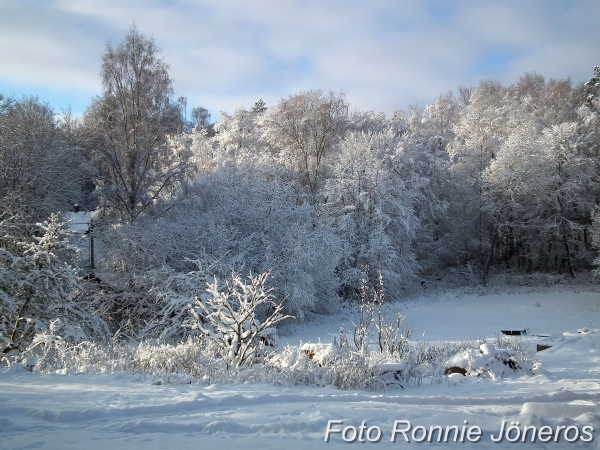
(227, 317)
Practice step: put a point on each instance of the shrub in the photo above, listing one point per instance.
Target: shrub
(228, 318)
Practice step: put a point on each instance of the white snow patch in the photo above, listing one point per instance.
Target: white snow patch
(116, 411)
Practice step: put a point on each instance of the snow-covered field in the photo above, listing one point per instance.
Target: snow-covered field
(117, 411)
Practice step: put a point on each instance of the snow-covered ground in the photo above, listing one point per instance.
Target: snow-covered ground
(117, 411)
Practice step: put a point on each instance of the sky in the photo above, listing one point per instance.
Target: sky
(385, 55)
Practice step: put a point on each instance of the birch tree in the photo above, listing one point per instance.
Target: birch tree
(129, 124)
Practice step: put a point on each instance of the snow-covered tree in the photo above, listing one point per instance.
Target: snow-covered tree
(203, 154)
(442, 116)
(512, 185)
(593, 88)
(251, 217)
(540, 192)
(589, 113)
(200, 118)
(370, 208)
(480, 132)
(38, 285)
(238, 131)
(244, 218)
(368, 122)
(423, 165)
(128, 126)
(303, 129)
(41, 168)
(572, 190)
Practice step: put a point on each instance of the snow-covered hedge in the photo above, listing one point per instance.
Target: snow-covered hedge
(338, 364)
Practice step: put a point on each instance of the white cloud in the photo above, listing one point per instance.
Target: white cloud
(226, 53)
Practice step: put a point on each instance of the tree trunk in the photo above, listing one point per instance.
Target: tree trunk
(567, 249)
(490, 255)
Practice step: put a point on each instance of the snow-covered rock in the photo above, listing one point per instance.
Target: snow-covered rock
(488, 362)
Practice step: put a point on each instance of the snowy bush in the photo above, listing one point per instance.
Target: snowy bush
(340, 365)
(174, 296)
(235, 342)
(233, 219)
(191, 358)
(228, 317)
(252, 219)
(39, 288)
(336, 365)
(50, 352)
(391, 336)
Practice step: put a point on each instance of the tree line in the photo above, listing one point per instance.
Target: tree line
(486, 180)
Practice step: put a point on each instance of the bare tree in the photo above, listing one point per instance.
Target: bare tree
(40, 164)
(303, 128)
(129, 124)
(200, 117)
